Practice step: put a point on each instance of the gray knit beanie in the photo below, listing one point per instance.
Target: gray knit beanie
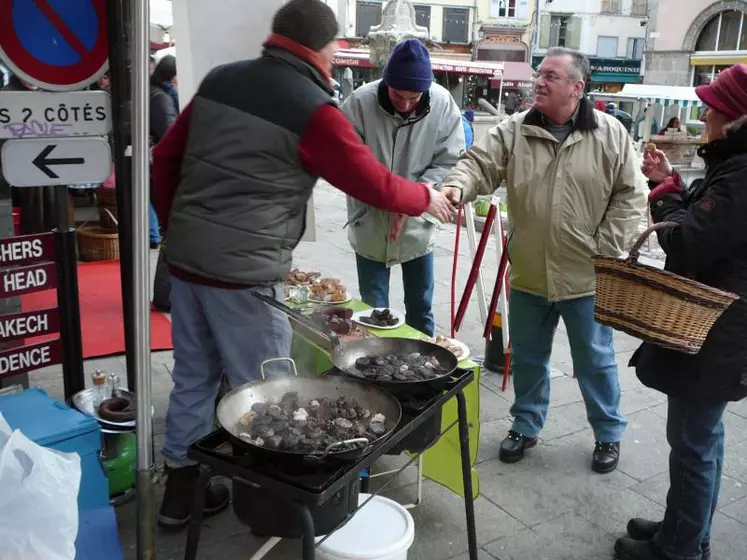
(310, 23)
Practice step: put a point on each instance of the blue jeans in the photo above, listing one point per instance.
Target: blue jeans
(154, 229)
(532, 324)
(418, 280)
(215, 331)
(695, 433)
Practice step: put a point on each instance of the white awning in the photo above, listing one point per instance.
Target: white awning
(663, 95)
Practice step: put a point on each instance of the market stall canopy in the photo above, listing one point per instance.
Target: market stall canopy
(515, 75)
(663, 95)
(161, 14)
(360, 58)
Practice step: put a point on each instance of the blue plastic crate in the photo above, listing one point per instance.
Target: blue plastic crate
(55, 425)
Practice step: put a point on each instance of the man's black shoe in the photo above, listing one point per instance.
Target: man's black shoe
(606, 456)
(631, 549)
(644, 530)
(176, 508)
(513, 447)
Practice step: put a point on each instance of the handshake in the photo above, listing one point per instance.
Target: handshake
(443, 202)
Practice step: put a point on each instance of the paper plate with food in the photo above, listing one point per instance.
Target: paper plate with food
(339, 320)
(328, 290)
(456, 347)
(379, 318)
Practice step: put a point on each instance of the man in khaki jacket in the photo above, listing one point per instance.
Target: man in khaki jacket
(574, 190)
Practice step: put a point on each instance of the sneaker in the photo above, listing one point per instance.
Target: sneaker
(176, 508)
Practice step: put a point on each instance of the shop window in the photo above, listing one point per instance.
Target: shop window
(724, 32)
(423, 16)
(639, 8)
(607, 47)
(456, 25)
(635, 48)
(611, 6)
(367, 14)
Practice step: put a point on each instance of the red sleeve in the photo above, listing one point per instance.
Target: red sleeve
(331, 149)
(167, 165)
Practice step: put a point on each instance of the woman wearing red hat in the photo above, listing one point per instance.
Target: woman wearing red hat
(710, 245)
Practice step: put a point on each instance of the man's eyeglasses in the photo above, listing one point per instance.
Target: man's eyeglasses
(551, 77)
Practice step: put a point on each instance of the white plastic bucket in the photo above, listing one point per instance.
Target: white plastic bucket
(382, 530)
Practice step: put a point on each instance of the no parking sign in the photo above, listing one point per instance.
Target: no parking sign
(58, 45)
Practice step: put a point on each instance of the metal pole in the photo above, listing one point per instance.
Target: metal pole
(118, 17)
(141, 276)
(68, 299)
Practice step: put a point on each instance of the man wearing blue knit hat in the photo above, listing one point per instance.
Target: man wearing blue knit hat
(414, 127)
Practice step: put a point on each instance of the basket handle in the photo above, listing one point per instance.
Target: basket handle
(635, 249)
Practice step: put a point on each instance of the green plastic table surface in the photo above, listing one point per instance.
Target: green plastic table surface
(442, 462)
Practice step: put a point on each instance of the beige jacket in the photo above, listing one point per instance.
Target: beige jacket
(566, 202)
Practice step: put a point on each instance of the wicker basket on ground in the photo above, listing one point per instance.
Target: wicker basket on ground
(98, 243)
(655, 305)
(106, 202)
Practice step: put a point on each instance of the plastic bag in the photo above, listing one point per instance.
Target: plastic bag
(38, 499)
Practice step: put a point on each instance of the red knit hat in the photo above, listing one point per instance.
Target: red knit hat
(728, 93)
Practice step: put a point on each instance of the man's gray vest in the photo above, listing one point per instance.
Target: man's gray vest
(239, 210)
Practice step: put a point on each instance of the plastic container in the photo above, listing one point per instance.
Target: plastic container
(55, 425)
(382, 530)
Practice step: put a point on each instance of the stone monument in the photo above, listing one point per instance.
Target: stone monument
(397, 24)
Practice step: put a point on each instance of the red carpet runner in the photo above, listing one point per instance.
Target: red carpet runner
(102, 324)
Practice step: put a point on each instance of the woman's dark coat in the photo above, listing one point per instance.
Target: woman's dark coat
(710, 245)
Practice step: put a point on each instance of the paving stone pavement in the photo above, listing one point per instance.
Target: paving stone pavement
(549, 506)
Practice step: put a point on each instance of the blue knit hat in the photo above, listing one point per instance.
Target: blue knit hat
(409, 67)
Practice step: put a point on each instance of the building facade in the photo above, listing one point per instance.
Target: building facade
(691, 41)
(612, 33)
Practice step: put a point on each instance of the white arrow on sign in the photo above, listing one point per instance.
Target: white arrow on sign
(56, 161)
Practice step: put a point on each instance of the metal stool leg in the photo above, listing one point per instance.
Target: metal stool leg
(195, 521)
(469, 504)
(307, 533)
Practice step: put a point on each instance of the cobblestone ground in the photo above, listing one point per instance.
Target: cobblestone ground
(549, 506)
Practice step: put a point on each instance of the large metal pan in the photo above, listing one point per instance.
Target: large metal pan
(240, 400)
(344, 357)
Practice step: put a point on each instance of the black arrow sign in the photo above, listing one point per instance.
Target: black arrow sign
(43, 162)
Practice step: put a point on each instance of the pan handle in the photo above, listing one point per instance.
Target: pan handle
(339, 443)
(271, 360)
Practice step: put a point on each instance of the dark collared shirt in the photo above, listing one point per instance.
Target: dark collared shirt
(561, 131)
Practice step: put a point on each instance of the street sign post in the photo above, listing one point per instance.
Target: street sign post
(56, 161)
(40, 115)
(34, 356)
(58, 46)
(15, 326)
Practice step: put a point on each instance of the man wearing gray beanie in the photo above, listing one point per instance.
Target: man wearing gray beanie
(414, 127)
(233, 176)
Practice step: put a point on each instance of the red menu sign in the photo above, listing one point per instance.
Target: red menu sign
(27, 279)
(26, 358)
(15, 326)
(26, 249)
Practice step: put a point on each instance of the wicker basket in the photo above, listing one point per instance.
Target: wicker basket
(97, 244)
(655, 305)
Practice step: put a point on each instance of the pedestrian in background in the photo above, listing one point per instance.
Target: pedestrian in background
(574, 190)
(710, 246)
(468, 120)
(413, 126)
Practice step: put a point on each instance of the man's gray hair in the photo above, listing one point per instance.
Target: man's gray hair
(579, 67)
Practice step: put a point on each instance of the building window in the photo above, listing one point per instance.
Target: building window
(423, 16)
(456, 25)
(639, 8)
(559, 31)
(367, 14)
(607, 47)
(506, 8)
(611, 6)
(635, 48)
(726, 31)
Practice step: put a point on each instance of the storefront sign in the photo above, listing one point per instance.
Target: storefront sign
(438, 66)
(26, 249)
(26, 358)
(28, 279)
(349, 61)
(615, 66)
(29, 323)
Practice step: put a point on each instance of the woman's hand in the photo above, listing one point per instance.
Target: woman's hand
(656, 166)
